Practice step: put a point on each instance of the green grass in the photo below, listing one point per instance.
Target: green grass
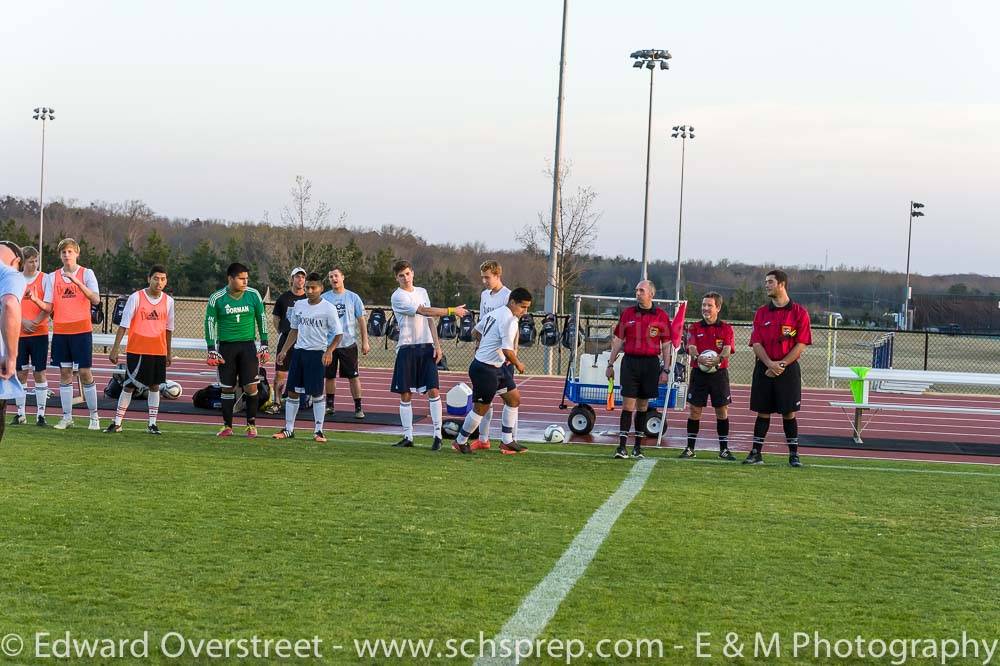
(107, 536)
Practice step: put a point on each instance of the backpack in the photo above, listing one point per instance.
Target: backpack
(526, 331)
(209, 397)
(118, 310)
(116, 384)
(263, 394)
(97, 314)
(567, 333)
(392, 329)
(550, 331)
(447, 327)
(376, 323)
(443, 363)
(465, 326)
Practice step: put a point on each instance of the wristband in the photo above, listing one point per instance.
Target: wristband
(451, 311)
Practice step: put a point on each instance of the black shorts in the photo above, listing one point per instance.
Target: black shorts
(781, 394)
(709, 384)
(345, 358)
(287, 362)
(489, 380)
(145, 370)
(640, 377)
(240, 367)
(33, 353)
(414, 370)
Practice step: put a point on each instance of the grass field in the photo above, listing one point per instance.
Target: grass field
(110, 536)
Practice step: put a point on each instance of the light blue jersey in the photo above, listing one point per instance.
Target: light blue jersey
(350, 308)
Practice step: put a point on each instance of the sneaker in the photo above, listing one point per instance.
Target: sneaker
(227, 431)
(251, 431)
(461, 448)
(18, 419)
(153, 429)
(359, 413)
(480, 445)
(318, 436)
(794, 461)
(753, 458)
(64, 423)
(95, 423)
(273, 409)
(113, 427)
(512, 448)
(726, 454)
(686, 453)
(403, 443)
(637, 453)
(436, 446)
(40, 421)
(283, 434)
(621, 453)
(330, 411)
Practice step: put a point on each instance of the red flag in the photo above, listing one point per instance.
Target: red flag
(677, 324)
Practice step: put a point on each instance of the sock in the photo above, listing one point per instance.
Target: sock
(791, 427)
(330, 399)
(319, 411)
(406, 418)
(624, 425)
(153, 403)
(227, 408)
(640, 426)
(693, 427)
(760, 427)
(66, 400)
(252, 401)
(21, 404)
(508, 419)
(357, 404)
(468, 427)
(484, 425)
(435, 406)
(292, 411)
(90, 396)
(41, 396)
(722, 426)
(124, 400)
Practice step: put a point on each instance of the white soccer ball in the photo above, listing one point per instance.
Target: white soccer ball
(171, 390)
(555, 434)
(705, 359)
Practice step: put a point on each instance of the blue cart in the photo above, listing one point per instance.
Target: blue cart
(582, 417)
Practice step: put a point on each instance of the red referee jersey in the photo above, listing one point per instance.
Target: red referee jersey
(714, 337)
(644, 331)
(780, 329)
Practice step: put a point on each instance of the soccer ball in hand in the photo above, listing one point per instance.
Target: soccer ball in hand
(555, 434)
(705, 358)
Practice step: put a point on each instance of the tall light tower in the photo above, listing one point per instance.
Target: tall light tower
(683, 132)
(907, 309)
(42, 113)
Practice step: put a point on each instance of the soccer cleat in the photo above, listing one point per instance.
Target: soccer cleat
(330, 411)
(726, 454)
(512, 448)
(153, 429)
(113, 427)
(794, 461)
(436, 446)
(753, 458)
(480, 445)
(404, 443)
(461, 448)
(273, 409)
(283, 434)
(95, 423)
(40, 421)
(251, 431)
(18, 420)
(637, 453)
(686, 453)
(359, 413)
(64, 423)
(318, 436)
(227, 431)
(621, 453)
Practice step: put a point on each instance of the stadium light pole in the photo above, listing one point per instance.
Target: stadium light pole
(907, 311)
(648, 58)
(683, 132)
(42, 113)
(552, 296)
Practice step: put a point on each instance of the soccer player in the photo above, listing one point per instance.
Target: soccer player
(33, 347)
(709, 334)
(11, 292)
(149, 320)
(781, 332)
(345, 356)
(417, 351)
(313, 338)
(492, 372)
(285, 302)
(494, 296)
(643, 332)
(233, 318)
(70, 291)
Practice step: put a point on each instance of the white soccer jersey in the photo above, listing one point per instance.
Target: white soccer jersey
(499, 331)
(317, 324)
(488, 301)
(414, 329)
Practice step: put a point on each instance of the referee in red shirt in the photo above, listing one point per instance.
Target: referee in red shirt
(780, 334)
(710, 334)
(643, 331)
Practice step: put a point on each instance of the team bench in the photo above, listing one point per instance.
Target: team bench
(862, 378)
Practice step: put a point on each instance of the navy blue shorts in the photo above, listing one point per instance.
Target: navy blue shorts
(305, 372)
(415, 370)
(75, 350)
(33, 353)
(489, 380)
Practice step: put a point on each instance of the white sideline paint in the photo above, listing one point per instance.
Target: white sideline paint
(542, 602)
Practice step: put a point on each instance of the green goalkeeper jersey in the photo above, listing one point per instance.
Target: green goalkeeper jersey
(229, 319)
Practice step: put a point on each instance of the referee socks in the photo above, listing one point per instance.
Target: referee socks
(624, 425)
(722, 427)
(760, 427)
(791, 427)
(693, 427)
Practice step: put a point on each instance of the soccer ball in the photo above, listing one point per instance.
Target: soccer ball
(705, 358)
(171, 390)
(555, 434)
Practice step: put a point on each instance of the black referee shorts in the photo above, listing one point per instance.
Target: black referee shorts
(640, 377)
(240, 367)
(781, 394)
(705, 385)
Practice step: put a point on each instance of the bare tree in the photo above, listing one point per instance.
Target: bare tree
(306, 217)
(576, 232)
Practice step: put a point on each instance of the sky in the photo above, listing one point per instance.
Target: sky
(816, 123)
